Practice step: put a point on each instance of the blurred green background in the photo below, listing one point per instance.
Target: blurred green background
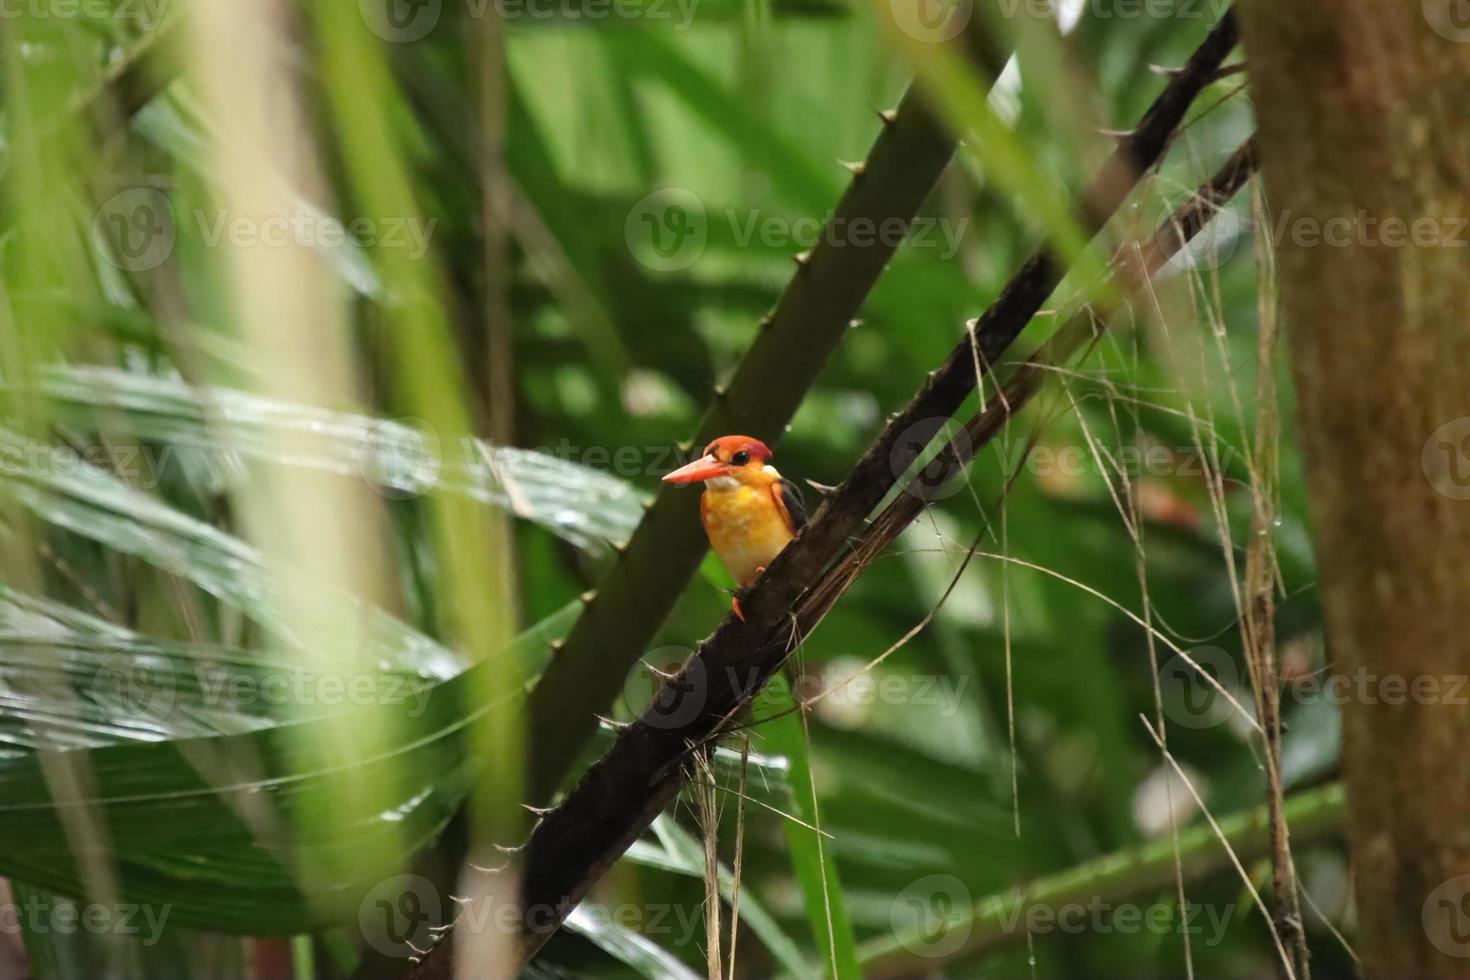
(342, 342)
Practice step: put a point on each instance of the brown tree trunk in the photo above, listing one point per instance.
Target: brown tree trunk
(1365, 146)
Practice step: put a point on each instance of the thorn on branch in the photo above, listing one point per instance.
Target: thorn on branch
(1224, 71)
(663, 675)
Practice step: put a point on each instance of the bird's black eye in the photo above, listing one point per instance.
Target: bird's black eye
(740, 458)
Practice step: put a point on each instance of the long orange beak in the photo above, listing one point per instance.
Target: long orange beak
(704, 468)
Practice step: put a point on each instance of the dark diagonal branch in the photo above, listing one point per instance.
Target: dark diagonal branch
(641, 774)
(620, 795)
(637, 593)
(1133, 264)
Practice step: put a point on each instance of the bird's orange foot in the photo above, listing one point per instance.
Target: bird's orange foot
(735, 601)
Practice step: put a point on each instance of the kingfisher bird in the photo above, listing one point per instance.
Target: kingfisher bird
(749, 510)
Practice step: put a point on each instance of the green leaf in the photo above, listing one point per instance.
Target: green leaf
(628, 947)
(96, 505)
(812, 861)
(589, 508)
(196, 768)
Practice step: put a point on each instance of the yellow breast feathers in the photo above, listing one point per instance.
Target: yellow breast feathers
(746, 528)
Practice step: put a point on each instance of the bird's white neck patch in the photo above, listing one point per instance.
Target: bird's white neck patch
(723, 483)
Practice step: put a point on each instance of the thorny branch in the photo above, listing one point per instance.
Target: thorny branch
(619, 796)
(646, 769)
(647, 763)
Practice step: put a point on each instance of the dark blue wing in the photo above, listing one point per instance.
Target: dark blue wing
(789, 502)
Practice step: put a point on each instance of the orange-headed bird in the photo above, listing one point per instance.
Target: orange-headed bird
(749, 511)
